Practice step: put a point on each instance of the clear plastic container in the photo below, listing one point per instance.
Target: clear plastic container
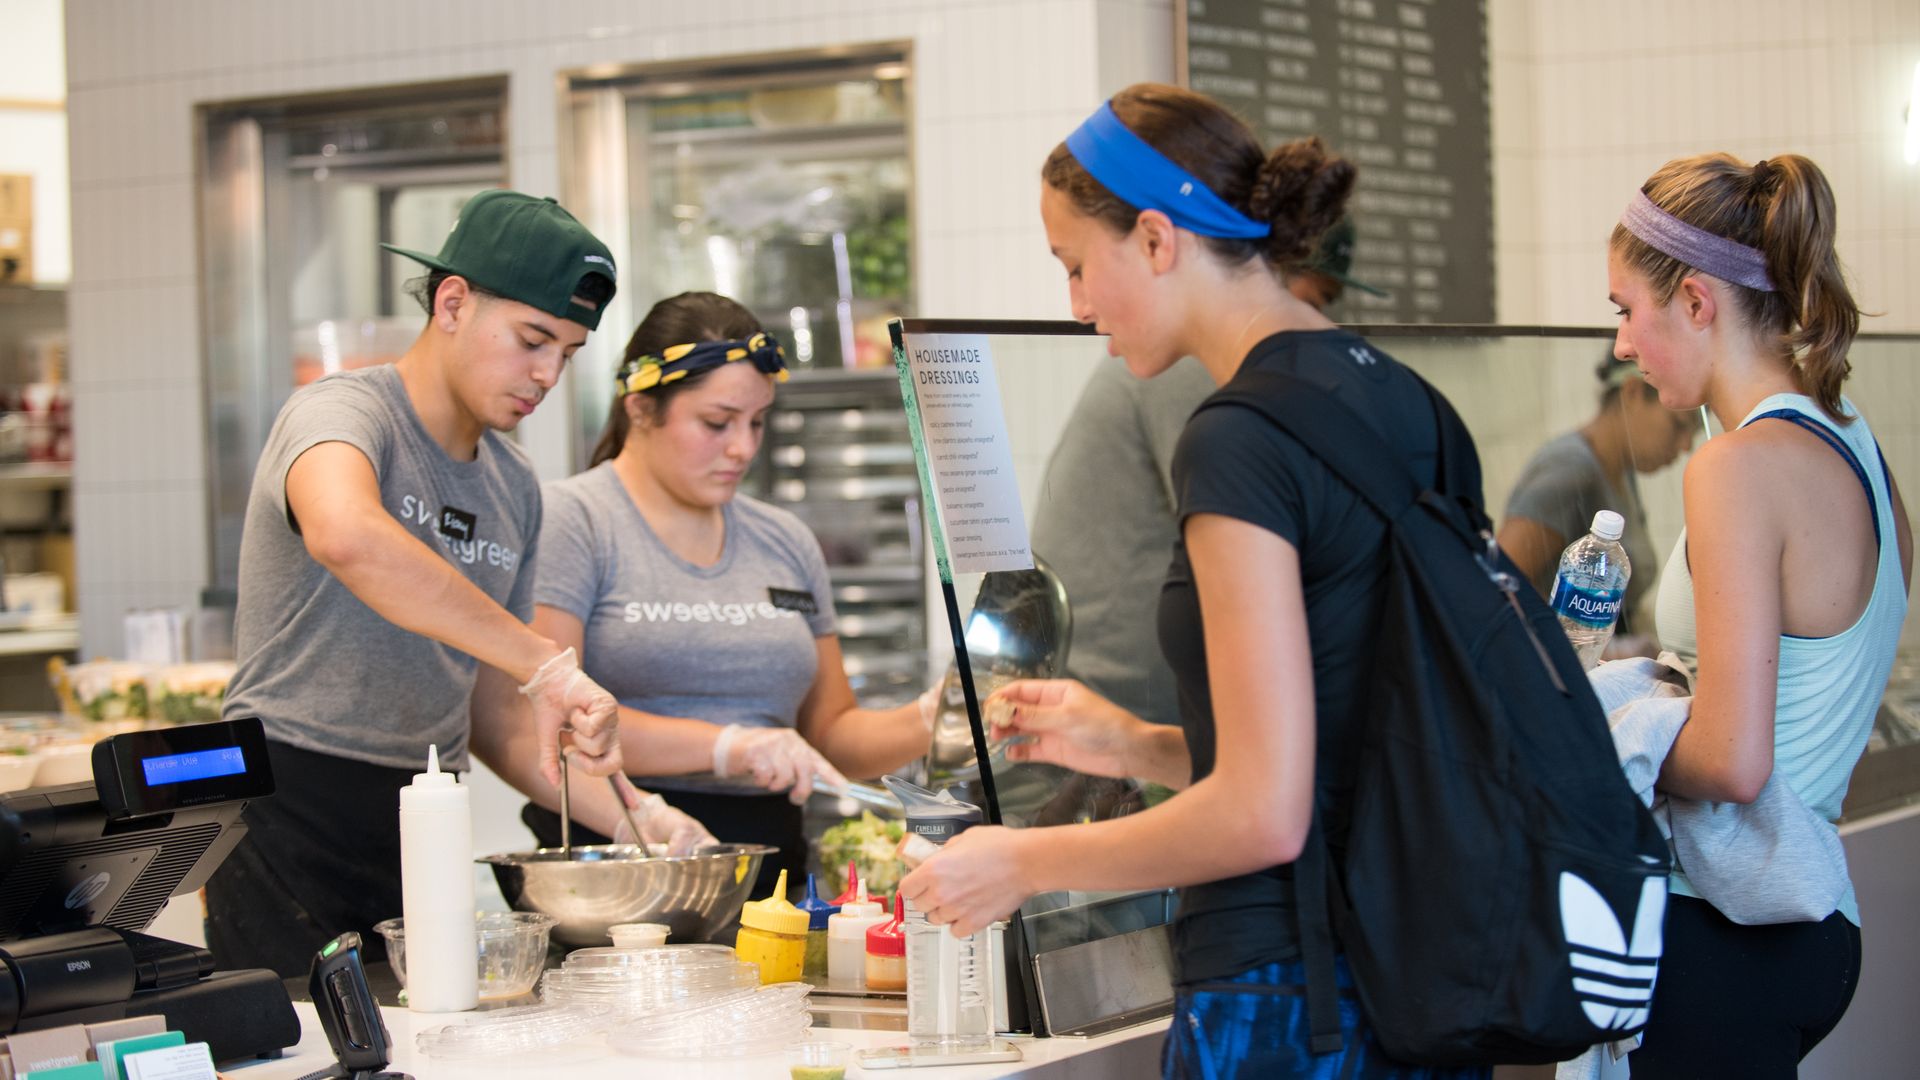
(638, 935)
(744, 1024)
(949, 1001)
(528, 1029)
(656, 956)
(819, 1060)
(510, 946)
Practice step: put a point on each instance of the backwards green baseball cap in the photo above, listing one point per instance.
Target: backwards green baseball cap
(1334, 256)
(525, 249)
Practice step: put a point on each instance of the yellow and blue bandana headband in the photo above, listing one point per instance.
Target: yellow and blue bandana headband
(679, 361)
(1146, 179)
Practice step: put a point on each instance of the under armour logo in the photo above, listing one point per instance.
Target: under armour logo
(1361, 355)
(1614, 990)
(1186, 188)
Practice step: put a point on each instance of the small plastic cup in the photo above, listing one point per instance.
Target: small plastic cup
(819, 1060)
(638, 935)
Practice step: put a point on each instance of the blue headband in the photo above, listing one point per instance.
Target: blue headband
(1141, 176)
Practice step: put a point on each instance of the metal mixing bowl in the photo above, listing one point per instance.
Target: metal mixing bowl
(696, 895)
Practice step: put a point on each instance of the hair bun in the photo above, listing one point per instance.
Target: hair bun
(1302, 189)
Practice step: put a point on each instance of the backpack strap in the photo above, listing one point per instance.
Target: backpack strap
(1354, 451)
(1312, 886)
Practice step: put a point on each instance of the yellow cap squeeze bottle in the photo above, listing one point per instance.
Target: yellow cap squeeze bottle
(773, 934)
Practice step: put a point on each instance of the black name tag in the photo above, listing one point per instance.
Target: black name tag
(793, 600)
(457, 524)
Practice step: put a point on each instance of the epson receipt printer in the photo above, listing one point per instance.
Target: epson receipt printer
(84, 868)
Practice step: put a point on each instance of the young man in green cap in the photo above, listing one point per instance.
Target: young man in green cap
(386, 581)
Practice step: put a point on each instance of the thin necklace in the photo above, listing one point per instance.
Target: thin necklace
(1234, 349)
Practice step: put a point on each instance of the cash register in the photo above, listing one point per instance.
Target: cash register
(85, 868)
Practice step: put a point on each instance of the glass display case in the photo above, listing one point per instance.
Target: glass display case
(781, 181)
(1092, 961)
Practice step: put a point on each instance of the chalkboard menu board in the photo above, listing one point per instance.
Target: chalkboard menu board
(1399, 87)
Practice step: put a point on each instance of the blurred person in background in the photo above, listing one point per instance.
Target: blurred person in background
(1590, 469)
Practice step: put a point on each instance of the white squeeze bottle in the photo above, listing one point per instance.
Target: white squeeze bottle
(1591, 587)
(436, 891)
(847, 939)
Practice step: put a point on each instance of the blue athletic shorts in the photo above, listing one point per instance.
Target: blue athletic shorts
(1254, 1027)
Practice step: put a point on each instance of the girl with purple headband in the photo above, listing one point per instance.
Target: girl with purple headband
(1788, 588)
(1176, 230)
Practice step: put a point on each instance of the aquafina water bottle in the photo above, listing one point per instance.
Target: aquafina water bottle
(1591, 587)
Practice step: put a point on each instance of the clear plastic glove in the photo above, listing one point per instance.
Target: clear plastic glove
(662, 824)
(564, 698)
(778, 759)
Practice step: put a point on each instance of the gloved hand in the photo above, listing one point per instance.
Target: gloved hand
(563, 697)
(662, 824)
(778, 759)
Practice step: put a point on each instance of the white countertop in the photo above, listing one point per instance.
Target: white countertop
(1130, 1052)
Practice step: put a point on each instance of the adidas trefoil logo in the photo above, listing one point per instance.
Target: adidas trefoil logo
(1612, 977)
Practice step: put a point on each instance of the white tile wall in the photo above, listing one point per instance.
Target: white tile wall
(988, 105)
(1587, 101)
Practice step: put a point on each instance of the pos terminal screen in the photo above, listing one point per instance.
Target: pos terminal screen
(194, 765)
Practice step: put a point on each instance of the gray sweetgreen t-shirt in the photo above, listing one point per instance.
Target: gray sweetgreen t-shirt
(1562, 487)
(320, 668)
(731, 643)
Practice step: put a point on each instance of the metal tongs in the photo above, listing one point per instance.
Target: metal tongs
(566, 801)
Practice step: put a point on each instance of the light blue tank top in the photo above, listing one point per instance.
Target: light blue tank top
(1829, 688)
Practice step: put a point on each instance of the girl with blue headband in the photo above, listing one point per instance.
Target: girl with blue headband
(706, 612)
(1176, 230)
(1788, 588)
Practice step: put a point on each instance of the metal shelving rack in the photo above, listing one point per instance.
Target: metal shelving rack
(837, 455)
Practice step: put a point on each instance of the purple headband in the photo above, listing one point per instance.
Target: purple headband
(1728, 260)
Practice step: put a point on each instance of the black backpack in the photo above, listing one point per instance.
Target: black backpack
(1496, 886)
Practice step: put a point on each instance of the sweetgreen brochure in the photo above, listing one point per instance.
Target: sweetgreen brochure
(113, 1055)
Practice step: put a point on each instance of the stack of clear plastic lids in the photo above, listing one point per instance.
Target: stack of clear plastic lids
(542, 1029)
(637, 983)
(737, 1023)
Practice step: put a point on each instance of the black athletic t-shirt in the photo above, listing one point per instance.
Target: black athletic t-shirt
(1233, 461)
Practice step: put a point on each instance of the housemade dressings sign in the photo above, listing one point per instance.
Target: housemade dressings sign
(964, 437)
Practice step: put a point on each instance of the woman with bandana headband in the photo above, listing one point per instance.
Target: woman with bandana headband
(1788, 587)
(707, 613)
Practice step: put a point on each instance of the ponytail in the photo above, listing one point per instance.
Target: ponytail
(1302, 189)
(1797, 239)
